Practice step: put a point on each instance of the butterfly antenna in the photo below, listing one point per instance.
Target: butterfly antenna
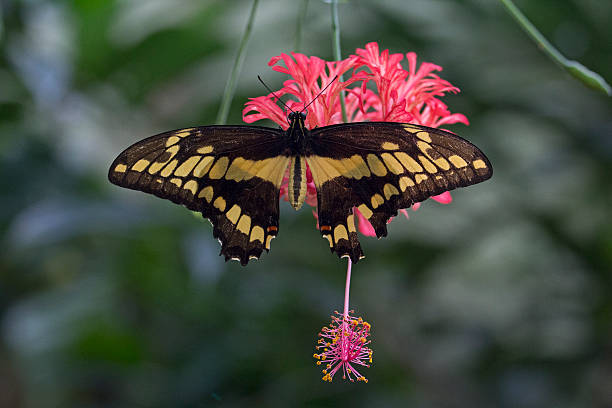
(272, 92)
(319, 94)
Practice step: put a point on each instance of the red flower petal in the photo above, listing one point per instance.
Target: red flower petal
(444, 198)
(399, 95)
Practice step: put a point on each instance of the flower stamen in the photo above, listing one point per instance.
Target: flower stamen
(348, 336)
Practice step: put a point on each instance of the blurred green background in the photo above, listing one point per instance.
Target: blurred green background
(114, 298)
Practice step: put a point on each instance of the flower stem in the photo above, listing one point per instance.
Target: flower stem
(347, 289)
(299, 26)
(577, 70)
(337, 54)
(230, 86)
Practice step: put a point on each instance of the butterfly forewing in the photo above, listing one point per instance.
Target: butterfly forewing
(231, 174)
(381, 167)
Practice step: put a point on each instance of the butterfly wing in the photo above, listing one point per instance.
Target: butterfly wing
(381, 167)
(231, 174)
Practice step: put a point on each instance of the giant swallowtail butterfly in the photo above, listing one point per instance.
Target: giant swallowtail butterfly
(232, 175)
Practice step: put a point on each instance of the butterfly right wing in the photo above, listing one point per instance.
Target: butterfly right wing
(230, 174)
(380, 168)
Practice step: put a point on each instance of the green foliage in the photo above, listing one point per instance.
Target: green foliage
(115, 298)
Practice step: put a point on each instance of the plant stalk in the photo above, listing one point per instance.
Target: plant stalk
(337, 52)
(230, 86)
(589, 78)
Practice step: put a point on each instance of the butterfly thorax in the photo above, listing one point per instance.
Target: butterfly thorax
(298, 136)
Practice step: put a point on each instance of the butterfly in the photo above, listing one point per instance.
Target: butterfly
(232, 175)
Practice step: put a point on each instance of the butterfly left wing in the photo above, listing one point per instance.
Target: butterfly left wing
(381, 167)
(231, 174)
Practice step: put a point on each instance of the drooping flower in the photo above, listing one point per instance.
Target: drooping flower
(378, 88)
(343, 345)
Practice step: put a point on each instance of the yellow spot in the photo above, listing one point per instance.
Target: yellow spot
(157, 166)
(140, 165)
(457, 161)
(271, 170)
(479, 164)
(350, 223)
(192, 186)
(219, 168)
(185, 168)
(412, 128)
(355, 167)
(269, 239)
(205, 150)
(360, 165)
(329, 238)
(236, 170)
(207, 193)
(405, 182)
(248, 167)
(220, 204)
(176, 181)
(428, 165)
(172, 140)
(183, 132)
(389, 190)
(424, 136)
(408, 162)
(258, 166)
(392, 163)
(327, 166)
(159, 181)
(442, 163)
(390, 146)
(257, 234)
(233, 213)
(173, 151)
(365, 211)
(169, 168)
(120, 168)
(377, 201)
(376, 165)
(340, 233)
(439, 161)
(244, 224)
(424, 147)
(202, 168)
(420, 178)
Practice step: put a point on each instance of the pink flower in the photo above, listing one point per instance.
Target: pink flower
(395, 95)
(343, 346)
(309, 77)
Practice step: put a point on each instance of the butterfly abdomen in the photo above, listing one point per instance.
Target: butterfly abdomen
(297, 182)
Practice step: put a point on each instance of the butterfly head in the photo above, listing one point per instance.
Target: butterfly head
(296, 116)
(297, 127)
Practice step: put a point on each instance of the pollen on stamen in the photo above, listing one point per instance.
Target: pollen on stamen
(343, 345)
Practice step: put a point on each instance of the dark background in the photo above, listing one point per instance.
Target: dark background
(113, 298)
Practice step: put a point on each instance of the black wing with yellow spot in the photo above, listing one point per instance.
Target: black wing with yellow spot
(381, 167)
(231, 174)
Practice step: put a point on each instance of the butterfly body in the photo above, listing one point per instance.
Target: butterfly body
(233, 175)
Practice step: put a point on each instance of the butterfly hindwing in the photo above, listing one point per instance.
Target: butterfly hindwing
(230, 174)
(381, 167)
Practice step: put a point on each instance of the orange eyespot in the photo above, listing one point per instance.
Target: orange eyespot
(272, 228)
(325, 228)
